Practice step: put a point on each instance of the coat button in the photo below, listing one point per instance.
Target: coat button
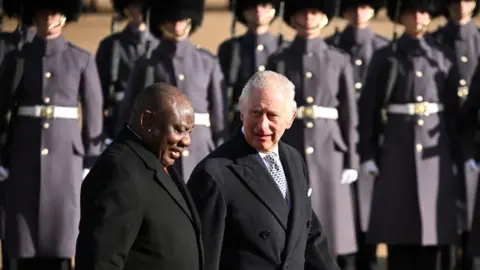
(420, 122)
(48, 74)
(309, 99)
(309, 150)
(358, 62)
(358, 85)
(419, 74)
(264, 234)
(309, 223)
(181, 77)
(46, 125)
(462, 82)
(308, 74)
(309, 124)
(419, 147)
(260, 47)
(261, 68)
(44, 152)
(309, 54)
(419, 98)
(46, 100)
(185, 153)
(464, 59)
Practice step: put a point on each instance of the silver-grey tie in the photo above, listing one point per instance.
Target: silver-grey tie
(277, 172)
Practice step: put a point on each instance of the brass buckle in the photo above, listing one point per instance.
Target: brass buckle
(308, 112)
(462, 92)
(46, 112)
(421, 108)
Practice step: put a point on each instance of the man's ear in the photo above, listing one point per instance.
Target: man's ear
(290, 122)
(146, 120)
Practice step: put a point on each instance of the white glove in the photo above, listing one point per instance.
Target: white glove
(349, 176)
(3, 173)
(85, 173)
(370, 167)
(471, 166)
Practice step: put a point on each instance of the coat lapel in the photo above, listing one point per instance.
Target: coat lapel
(153, 164)
(251, 170)
(294, 175)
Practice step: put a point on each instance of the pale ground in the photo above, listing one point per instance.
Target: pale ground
(90, 29)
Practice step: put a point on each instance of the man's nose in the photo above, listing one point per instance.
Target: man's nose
(186, 141)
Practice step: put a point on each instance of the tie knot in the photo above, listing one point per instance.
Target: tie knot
(271, 158)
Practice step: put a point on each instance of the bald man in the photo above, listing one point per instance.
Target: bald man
(134, 215)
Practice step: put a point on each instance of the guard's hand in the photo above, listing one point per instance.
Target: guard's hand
(85, 173)
(370, 167)
(349, 176)
(471, 166)
(3, 173)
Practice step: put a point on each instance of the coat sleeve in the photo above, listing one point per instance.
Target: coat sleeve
(218, 105)
(103, 60)
(110, 220)
(212, 209)
(318, 253)
(92, 111)
(348, 114)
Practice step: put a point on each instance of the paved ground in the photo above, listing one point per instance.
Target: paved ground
(92, 28)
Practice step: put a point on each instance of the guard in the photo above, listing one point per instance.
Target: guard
(240, 57)
(116, 56)
(190, 68)
(325, 128)
(408, 126)
(360, 42)
(48, 142)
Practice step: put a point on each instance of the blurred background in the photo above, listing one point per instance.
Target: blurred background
(95, 25)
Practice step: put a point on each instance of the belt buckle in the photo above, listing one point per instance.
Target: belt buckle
(46, 111)
(462, 91)
(308, 112)
(421, 108)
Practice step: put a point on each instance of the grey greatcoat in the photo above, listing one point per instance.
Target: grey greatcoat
(464, 41)
(322, 76)
(414, 196)
(46, 156)
(116, 56)
(197, 73)
(360, 44)
(254, 51)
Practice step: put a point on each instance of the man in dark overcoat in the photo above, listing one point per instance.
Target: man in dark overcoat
(324, 131)
(135, 216)
(47, 145)
(240, 57)
(189, 67)
(252, 193)
(360, 42)
(116, 56)
(409, 137)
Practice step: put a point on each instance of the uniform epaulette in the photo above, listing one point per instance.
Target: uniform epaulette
(79, 49)
(205, 51)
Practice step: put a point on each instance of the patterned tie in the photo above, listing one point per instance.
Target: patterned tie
(276, 172)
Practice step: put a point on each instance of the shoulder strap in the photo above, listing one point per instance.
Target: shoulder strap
(149, 71)
(115, 63)
(234, 70)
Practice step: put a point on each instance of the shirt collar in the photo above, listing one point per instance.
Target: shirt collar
(262, 155)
